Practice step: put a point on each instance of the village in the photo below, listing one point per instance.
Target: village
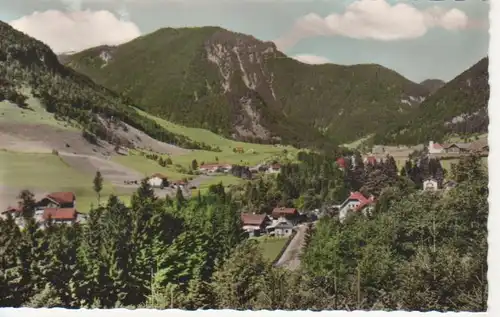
(61, 207)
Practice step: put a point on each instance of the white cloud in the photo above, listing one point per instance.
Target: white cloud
(311, 59)
(375, 20)
(78, 30)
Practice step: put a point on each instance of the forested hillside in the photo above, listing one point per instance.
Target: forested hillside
(236, 85)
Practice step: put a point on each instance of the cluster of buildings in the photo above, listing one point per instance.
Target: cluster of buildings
(60, 207)
(158, 180)
(480, 146)
(212, 168)
(279, 223)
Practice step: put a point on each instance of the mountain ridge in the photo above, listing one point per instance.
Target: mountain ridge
(238, 86)
(460, 107)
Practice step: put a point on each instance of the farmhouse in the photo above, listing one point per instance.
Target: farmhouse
(254, 224)
(457, 148)
(57, 200)
(60, 215)
(281, 227)
(356, 202)
(290, 214)
(435, 148)
(157, 180)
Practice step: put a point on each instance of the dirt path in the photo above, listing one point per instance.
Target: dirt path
(291, 257)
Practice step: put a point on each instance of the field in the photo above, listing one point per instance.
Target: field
(271, 246)
(36, 114)
(43, 173)
(252, 153)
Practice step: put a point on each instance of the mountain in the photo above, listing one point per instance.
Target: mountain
(432, 85)
(460, 107)
(241, 87)
(27, 64)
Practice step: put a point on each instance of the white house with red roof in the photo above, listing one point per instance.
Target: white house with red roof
(435, 148)
(355, 202)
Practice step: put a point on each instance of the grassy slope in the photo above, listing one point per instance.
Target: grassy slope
(348, 101)
(36, 172)
(271, 246)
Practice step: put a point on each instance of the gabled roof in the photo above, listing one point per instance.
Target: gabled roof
(62, 197)
(59, 213)
(252, 219)
(284, 211)
(437, 146)
(358, 196)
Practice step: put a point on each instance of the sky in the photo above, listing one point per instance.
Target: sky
(420, 39)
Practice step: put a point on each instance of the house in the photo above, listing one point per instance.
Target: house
(355, 202)
(157, 180)
(274, 168)
(430, 184)
(291, 214)
(60, 215)
(435, 148)
(457, 148)
(281, 227)
(254, 224)
(57, 200)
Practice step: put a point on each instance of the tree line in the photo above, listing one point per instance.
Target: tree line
(417, 250)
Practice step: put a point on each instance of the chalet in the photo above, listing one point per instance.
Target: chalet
(254, 224)
(157, 180)
(355, 202)
(457, 148)
(430, 184)
(60, 215)
(291, 214)
(57, 200)
(280, 227)
(274, 168)
(435, 148)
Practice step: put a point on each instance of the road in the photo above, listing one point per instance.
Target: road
(290, 259)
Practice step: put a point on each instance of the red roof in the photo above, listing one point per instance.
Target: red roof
(59, 213)
(62, 197)
(359, 197)
(437, 146)
(363, 204)
(280, 211)
(252, 219)
(341, 162)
